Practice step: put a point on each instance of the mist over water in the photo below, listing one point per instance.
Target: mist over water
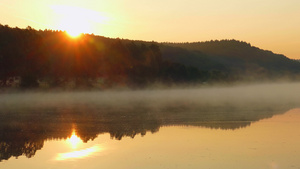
(212, 107)
(280, 94)
(31, 118)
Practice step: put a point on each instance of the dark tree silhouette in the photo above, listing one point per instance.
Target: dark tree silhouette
(31, 58)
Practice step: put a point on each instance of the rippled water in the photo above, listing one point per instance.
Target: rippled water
(191, 128)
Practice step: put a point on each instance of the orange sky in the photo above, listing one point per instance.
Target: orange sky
(267, 24)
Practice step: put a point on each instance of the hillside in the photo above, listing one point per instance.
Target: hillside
(232, 56)
(34, 58)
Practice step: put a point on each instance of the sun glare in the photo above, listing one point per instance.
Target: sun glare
(75, 20)
(74, 27)
(74, 33)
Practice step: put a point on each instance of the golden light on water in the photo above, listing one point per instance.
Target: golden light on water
(78, 154)
(75, 142)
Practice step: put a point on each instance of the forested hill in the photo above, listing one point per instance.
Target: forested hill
(238, 58)
(35, 58)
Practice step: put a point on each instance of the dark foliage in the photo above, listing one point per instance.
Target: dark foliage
(31, 58)
(239, 60)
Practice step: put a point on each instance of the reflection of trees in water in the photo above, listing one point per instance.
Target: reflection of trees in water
(20, 147)
(23, 132)
(118, 124)
(218, 117)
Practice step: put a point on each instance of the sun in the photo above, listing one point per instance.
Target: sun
(75, 20)
(74, 26)
(74, 33)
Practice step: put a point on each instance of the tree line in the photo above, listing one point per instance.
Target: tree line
(239, 59)
(32, 58)
(35, 58)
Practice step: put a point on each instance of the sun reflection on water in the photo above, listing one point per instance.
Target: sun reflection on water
(74, 141)
(78, 154)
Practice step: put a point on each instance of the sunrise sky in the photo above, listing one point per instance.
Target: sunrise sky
(268, 24)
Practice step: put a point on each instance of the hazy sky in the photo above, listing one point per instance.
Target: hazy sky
(268, 24)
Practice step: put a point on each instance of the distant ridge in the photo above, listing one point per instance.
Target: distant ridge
(236, 57)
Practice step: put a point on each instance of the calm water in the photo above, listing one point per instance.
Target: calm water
(150, 129)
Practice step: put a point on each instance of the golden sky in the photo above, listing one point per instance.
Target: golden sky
(268, 24)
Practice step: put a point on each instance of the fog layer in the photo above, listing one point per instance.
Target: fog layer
(28, 119)
(260, 95)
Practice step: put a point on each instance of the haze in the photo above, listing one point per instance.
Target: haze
(270, 25)
(259, 96)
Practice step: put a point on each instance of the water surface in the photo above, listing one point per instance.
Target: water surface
(187, 128)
